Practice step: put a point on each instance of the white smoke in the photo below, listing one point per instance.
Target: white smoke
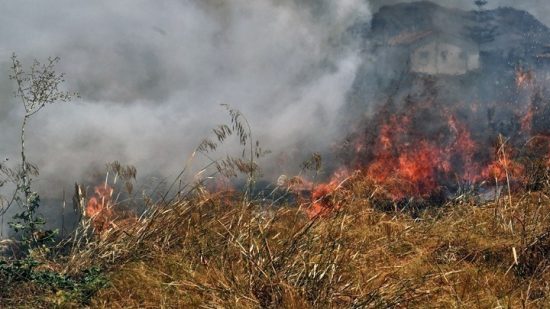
(153, 74)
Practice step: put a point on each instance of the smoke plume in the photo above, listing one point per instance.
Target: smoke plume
(152, 76)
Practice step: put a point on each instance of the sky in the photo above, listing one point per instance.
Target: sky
(152, 75)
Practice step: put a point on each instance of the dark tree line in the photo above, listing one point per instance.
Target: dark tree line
(483, 30)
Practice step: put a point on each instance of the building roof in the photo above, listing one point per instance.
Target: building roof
(421, 38)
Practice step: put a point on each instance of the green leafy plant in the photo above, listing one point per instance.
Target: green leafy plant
(35, 89)
(69, 289)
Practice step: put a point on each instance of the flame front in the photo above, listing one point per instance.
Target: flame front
(425, 147)
(407, 163)
(99, 208)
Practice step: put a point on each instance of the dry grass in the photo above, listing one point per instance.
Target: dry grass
(219, 250)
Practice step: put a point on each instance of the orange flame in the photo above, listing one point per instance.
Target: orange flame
(524, 78)
(99, 208)
(503, 168)
(409, 167)
(527, 120)
(322, 197)
(406, 156)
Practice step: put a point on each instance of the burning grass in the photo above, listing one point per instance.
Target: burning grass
(346, 243)
(394, 233)
(461, 254)
(224, 250)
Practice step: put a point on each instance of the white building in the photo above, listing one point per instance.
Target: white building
(448, 56)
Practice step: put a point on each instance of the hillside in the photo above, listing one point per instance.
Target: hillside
(519, 40)
(439, 91)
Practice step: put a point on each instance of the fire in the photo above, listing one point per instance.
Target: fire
(412, 172)
(322, 201)
(503, 168)
(524, 78)
(527, 120)
(427, 149)
(408, 166)
(323, 196)
(99, 208)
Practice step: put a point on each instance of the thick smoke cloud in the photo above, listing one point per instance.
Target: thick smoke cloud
(152, 75)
